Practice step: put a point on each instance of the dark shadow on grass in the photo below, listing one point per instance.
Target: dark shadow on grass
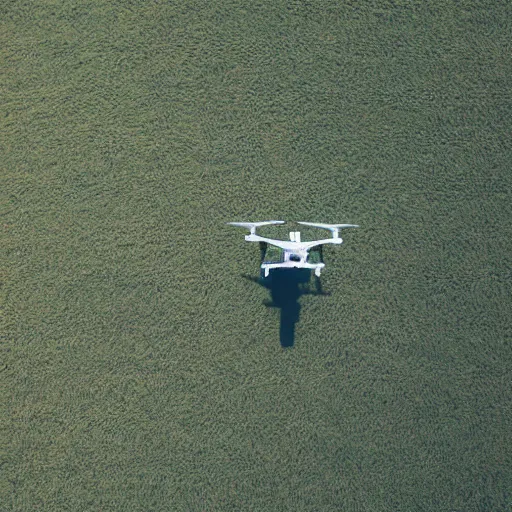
(286, 286)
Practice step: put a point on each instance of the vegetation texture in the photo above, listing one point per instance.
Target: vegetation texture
(144, 367)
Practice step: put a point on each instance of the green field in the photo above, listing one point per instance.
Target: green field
(144, 368)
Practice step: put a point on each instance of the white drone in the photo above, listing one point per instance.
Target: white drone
(295, 252)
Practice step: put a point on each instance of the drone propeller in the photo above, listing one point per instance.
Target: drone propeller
(333, 228)
(329, 226)
(253, 225)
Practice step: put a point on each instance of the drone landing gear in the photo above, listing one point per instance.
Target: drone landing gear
(263, 250)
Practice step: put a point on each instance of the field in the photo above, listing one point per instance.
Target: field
(145, 367)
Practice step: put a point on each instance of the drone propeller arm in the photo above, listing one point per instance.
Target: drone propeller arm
(283, 244)
(286, 245)
(315, 243)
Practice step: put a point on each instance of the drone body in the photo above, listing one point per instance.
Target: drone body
(295, 252)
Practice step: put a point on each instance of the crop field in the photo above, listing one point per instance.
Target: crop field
(146, 366)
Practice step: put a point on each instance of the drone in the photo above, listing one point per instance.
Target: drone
(295, 253)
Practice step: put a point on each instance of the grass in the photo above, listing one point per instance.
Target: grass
(142, 371)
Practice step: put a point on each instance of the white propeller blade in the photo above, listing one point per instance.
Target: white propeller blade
(253, 225)
(333, 228)
(329, 226)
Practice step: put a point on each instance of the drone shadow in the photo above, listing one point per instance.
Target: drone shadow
(286, 286)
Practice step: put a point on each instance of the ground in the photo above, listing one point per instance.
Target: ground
(144, 367)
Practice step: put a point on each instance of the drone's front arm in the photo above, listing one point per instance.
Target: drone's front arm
(314, 243)
(283, 244)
